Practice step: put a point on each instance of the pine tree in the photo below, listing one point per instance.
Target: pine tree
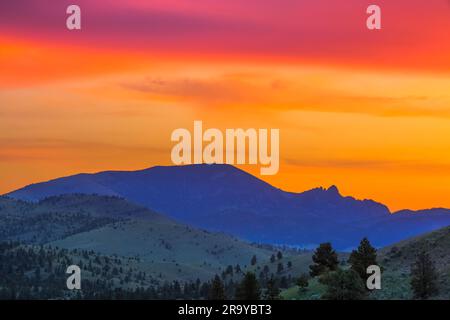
(217, 291)
(280, 268)
(284, 282)
(248, 288)
(343, 285)
(303, 282)
(253, 261)
(272, 258)
(229, 270)
(272, 292)
(424, 277)
(266, 269)
(364, 256)
(325, 259)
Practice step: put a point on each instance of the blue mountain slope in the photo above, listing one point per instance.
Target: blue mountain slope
(224, 198)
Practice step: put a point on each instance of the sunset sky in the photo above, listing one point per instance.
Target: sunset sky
(368, 111)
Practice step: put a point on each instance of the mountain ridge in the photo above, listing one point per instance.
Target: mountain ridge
(224, 198)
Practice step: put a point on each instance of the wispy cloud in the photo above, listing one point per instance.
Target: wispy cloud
(48, 149)
(367, 164)
(278, 93)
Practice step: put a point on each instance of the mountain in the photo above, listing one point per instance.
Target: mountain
(111, 226)
(51, 219)
(408, 223)
(226, 199)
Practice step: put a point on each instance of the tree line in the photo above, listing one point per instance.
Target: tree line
(38, 272)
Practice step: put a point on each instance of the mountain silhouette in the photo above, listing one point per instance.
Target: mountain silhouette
(226, 199)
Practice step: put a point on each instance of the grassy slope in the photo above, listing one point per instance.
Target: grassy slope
(300, 264)
(167, 249)
(313, 292)
(175, 250)
(397, 260)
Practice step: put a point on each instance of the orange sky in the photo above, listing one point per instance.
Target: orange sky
(371, 118)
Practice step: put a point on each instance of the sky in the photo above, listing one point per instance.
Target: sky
(366, 110)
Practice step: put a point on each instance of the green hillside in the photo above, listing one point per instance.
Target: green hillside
(48, 220)
(397, 260)
(173, 250)
(127, 251)
(167, 250)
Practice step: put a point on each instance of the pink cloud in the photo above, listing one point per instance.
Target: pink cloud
(326, 30)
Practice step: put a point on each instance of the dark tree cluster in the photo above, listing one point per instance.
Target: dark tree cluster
(342, 284)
